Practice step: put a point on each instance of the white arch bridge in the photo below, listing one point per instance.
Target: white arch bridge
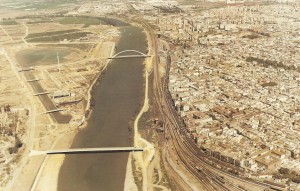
(137, 54)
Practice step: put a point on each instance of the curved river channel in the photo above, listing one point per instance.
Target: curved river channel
(118, 97)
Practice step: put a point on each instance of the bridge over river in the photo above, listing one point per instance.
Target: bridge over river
(86, 150)
(138, 55)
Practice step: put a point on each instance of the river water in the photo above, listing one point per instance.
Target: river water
(118, 97)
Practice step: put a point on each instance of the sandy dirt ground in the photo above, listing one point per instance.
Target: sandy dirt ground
(47, 178)
(148, 161)
(129, 184)
(40, 172)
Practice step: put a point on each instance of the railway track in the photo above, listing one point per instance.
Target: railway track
(179, 145)
(185, 158)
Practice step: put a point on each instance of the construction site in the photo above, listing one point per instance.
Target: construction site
(48, 68)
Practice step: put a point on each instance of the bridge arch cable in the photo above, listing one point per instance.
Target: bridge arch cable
(140, 53)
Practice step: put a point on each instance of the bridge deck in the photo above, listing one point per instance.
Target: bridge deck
(52, 111)
(41, 93)
(25, 69)
(86, 150)
(130, 56)
(33, 80)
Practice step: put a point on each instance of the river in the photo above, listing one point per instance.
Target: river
(118, 97)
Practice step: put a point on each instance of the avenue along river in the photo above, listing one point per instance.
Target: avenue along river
(118, 98)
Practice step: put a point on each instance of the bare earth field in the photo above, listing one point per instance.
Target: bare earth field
(60, 62)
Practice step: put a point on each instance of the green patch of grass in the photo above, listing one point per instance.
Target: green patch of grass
(37, 22)
(87, 21)
(54, 33)
(48, 4)
(8, 22)
(82, 47)
(68, 36)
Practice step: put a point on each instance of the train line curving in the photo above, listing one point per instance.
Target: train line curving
(179, 144)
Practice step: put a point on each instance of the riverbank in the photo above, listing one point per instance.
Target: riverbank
(147, 163)
(28, 175)
(118, 96)
(48, 175)
(74, 74)
(88, 108)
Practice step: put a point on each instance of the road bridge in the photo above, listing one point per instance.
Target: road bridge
(138, 55)
(25, 69)
(41, 93)
(87, 150)
(130, 56)
(52, 111)
(33, 80)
